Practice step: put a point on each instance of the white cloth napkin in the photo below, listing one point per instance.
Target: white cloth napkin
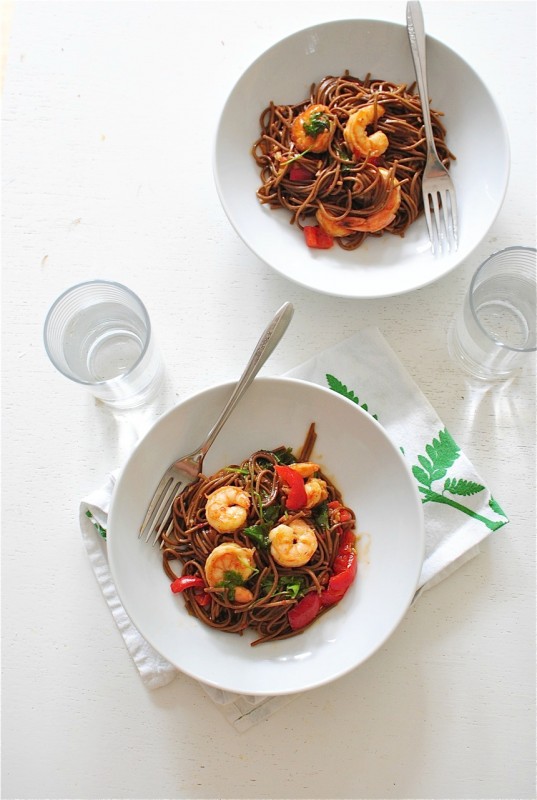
(459, 509)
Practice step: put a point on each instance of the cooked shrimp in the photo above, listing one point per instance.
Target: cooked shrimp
(294, 544)
(305, 468)
(331, 224)
(375, 222)
(243, 595)
(313, 129)
(382, 218)
(356, 136)
(316, 492)
(315, 488)
(227, 509)
(226, 558)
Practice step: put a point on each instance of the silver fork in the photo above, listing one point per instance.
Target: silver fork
(439, 201)
(159, 518)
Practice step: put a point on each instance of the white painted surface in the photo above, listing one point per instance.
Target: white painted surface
(109, 110)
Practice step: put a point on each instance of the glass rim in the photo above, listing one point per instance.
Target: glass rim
(102, 282)
(482, 265)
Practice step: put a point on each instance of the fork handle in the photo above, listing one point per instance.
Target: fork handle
(265, 346)
(416, 35)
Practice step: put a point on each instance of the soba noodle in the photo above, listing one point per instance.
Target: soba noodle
(275, 589)
(346, 183)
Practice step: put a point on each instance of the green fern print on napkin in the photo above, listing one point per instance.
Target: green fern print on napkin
(340, 388)
(98, 527)
(441, 454)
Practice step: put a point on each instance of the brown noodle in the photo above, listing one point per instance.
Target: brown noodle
(192, 540)
(348, 187)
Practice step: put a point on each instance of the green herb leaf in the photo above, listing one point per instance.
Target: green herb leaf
(232, 579)
(318, 122)
(295, 158)
(259, 534)
(284, 455)
(265, 463)
(266, 585)
(237, 470)
(320, 515)
(272, 513)
(343, 154)
(291, 585)
(348, 163)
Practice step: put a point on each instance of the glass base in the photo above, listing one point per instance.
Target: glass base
(463, 359)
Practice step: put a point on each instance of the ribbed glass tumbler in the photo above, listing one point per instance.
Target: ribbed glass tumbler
(98, 334)
(494, 333)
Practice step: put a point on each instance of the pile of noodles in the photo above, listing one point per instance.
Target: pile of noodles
(192, 539)
(344, 185)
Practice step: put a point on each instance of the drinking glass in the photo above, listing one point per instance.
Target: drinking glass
(494, 333)
(98, 334)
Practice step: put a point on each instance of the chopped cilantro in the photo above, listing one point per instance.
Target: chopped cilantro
(266, 463)
(237, 470)
(318, 122)
(295, 158)
(272, 513)
(259, 534)
(284, 455)
(266, 585)
(290, 586)
(320, 515)
(343, 154)
(232, 579)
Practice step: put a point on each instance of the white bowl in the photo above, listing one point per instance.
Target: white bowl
(375, 481)
(384, 266)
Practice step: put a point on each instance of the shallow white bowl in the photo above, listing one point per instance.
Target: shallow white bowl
(391, 265)
(375, 481)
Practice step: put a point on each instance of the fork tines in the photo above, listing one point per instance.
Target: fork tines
(441, 214)
(159, 518)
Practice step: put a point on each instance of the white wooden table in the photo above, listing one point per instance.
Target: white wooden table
(97, 97)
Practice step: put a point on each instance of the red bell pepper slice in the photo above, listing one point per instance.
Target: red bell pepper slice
(340, 582)
(346, 552)
(340, 513)
(316, 238)
(195, 582)
(344, 568)
(305, 611)
(296, 499)
(187, 582)
(299, 173)
(202, 597)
